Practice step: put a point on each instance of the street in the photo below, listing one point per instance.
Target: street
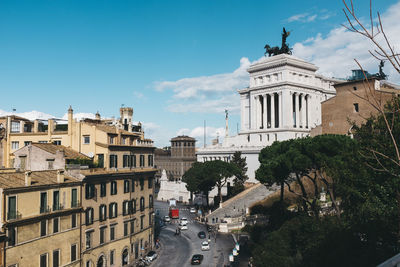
(178, 250)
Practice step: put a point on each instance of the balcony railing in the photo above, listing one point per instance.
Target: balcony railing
(45, 209)
(75, 204)
(57, 207)
(13, 215)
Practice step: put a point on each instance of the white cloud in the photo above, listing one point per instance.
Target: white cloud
(297, 17)
(334, 53)
(80, 116)
(138, 94)
(30, 115)
(212, 93)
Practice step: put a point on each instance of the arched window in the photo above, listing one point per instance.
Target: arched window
(101, 261)
(125, 257)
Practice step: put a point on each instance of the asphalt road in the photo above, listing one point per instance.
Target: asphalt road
(178, 250)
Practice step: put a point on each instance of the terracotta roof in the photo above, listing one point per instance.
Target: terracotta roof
(52, 148)
(13, 179)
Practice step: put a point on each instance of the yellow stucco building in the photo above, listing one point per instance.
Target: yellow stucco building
(41, 217)
(114, 144)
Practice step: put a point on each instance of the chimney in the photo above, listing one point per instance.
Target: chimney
(28, 179)
(60, 176)
(70, 120)
(97, 116)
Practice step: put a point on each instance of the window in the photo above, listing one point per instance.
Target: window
(50, 164)
(57, 142)
(141, 222)
(100, 160)
(113, 188)
(125, 208)
(112, 232)
(74, 198)
(142, 204)
(132, 223)
(113, 210)
(126, 186)
(89, 216)
(22, 160)
(125, 257)
(102, 235)
(56, 200)
(27, 143)
(141, 160)
(43, 260)
(113, 161)
(126, 228)
(42, 142)
(150, 183)
(141, 184)
(126, 161)
(12, 208)
(102, 212)
(14, 145)
(112, 140)
(103, 189)
(150, 160)
(12, 236)
(123, 140)
(356, 107)
(73, 252)
(150, 215)
(56, 225)
(112, 255)
(86, 139)
(56, 258)
(133, 161)
(43, 228)
(15, 127)
(132, 206)
(88, 264)
(89, 191)
(89, 239)
(150, 201)
(73, 220)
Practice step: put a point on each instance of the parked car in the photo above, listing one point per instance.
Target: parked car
(201, 234)
(205, 245)
(184, 221)
(197, 259)
(210, 228)
(183, 226)
(192, 210)
(167, 218)
(152, 255)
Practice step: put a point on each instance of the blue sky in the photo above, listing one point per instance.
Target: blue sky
(177, 63)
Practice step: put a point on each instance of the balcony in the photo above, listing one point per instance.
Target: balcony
(57, 206)
(14, 215)
(75, 204)
(45, 209)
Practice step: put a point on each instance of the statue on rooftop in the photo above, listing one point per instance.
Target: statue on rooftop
(381, 74)
(285, 49)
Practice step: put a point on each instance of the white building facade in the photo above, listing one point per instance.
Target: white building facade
(283, 101)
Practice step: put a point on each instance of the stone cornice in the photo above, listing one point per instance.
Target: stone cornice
(281, 60)
(271, 87)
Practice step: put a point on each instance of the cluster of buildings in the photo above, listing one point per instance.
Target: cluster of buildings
(287, 99)
(75, 194)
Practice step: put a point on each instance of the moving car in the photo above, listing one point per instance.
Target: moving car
(152, 255)
(183, 226)
(167, 218)
(184, 221)
(192, 210)
(197, 259)
(205, 245)
(201, 234)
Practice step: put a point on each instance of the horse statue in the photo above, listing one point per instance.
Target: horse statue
(271, 50)
(285, 49)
